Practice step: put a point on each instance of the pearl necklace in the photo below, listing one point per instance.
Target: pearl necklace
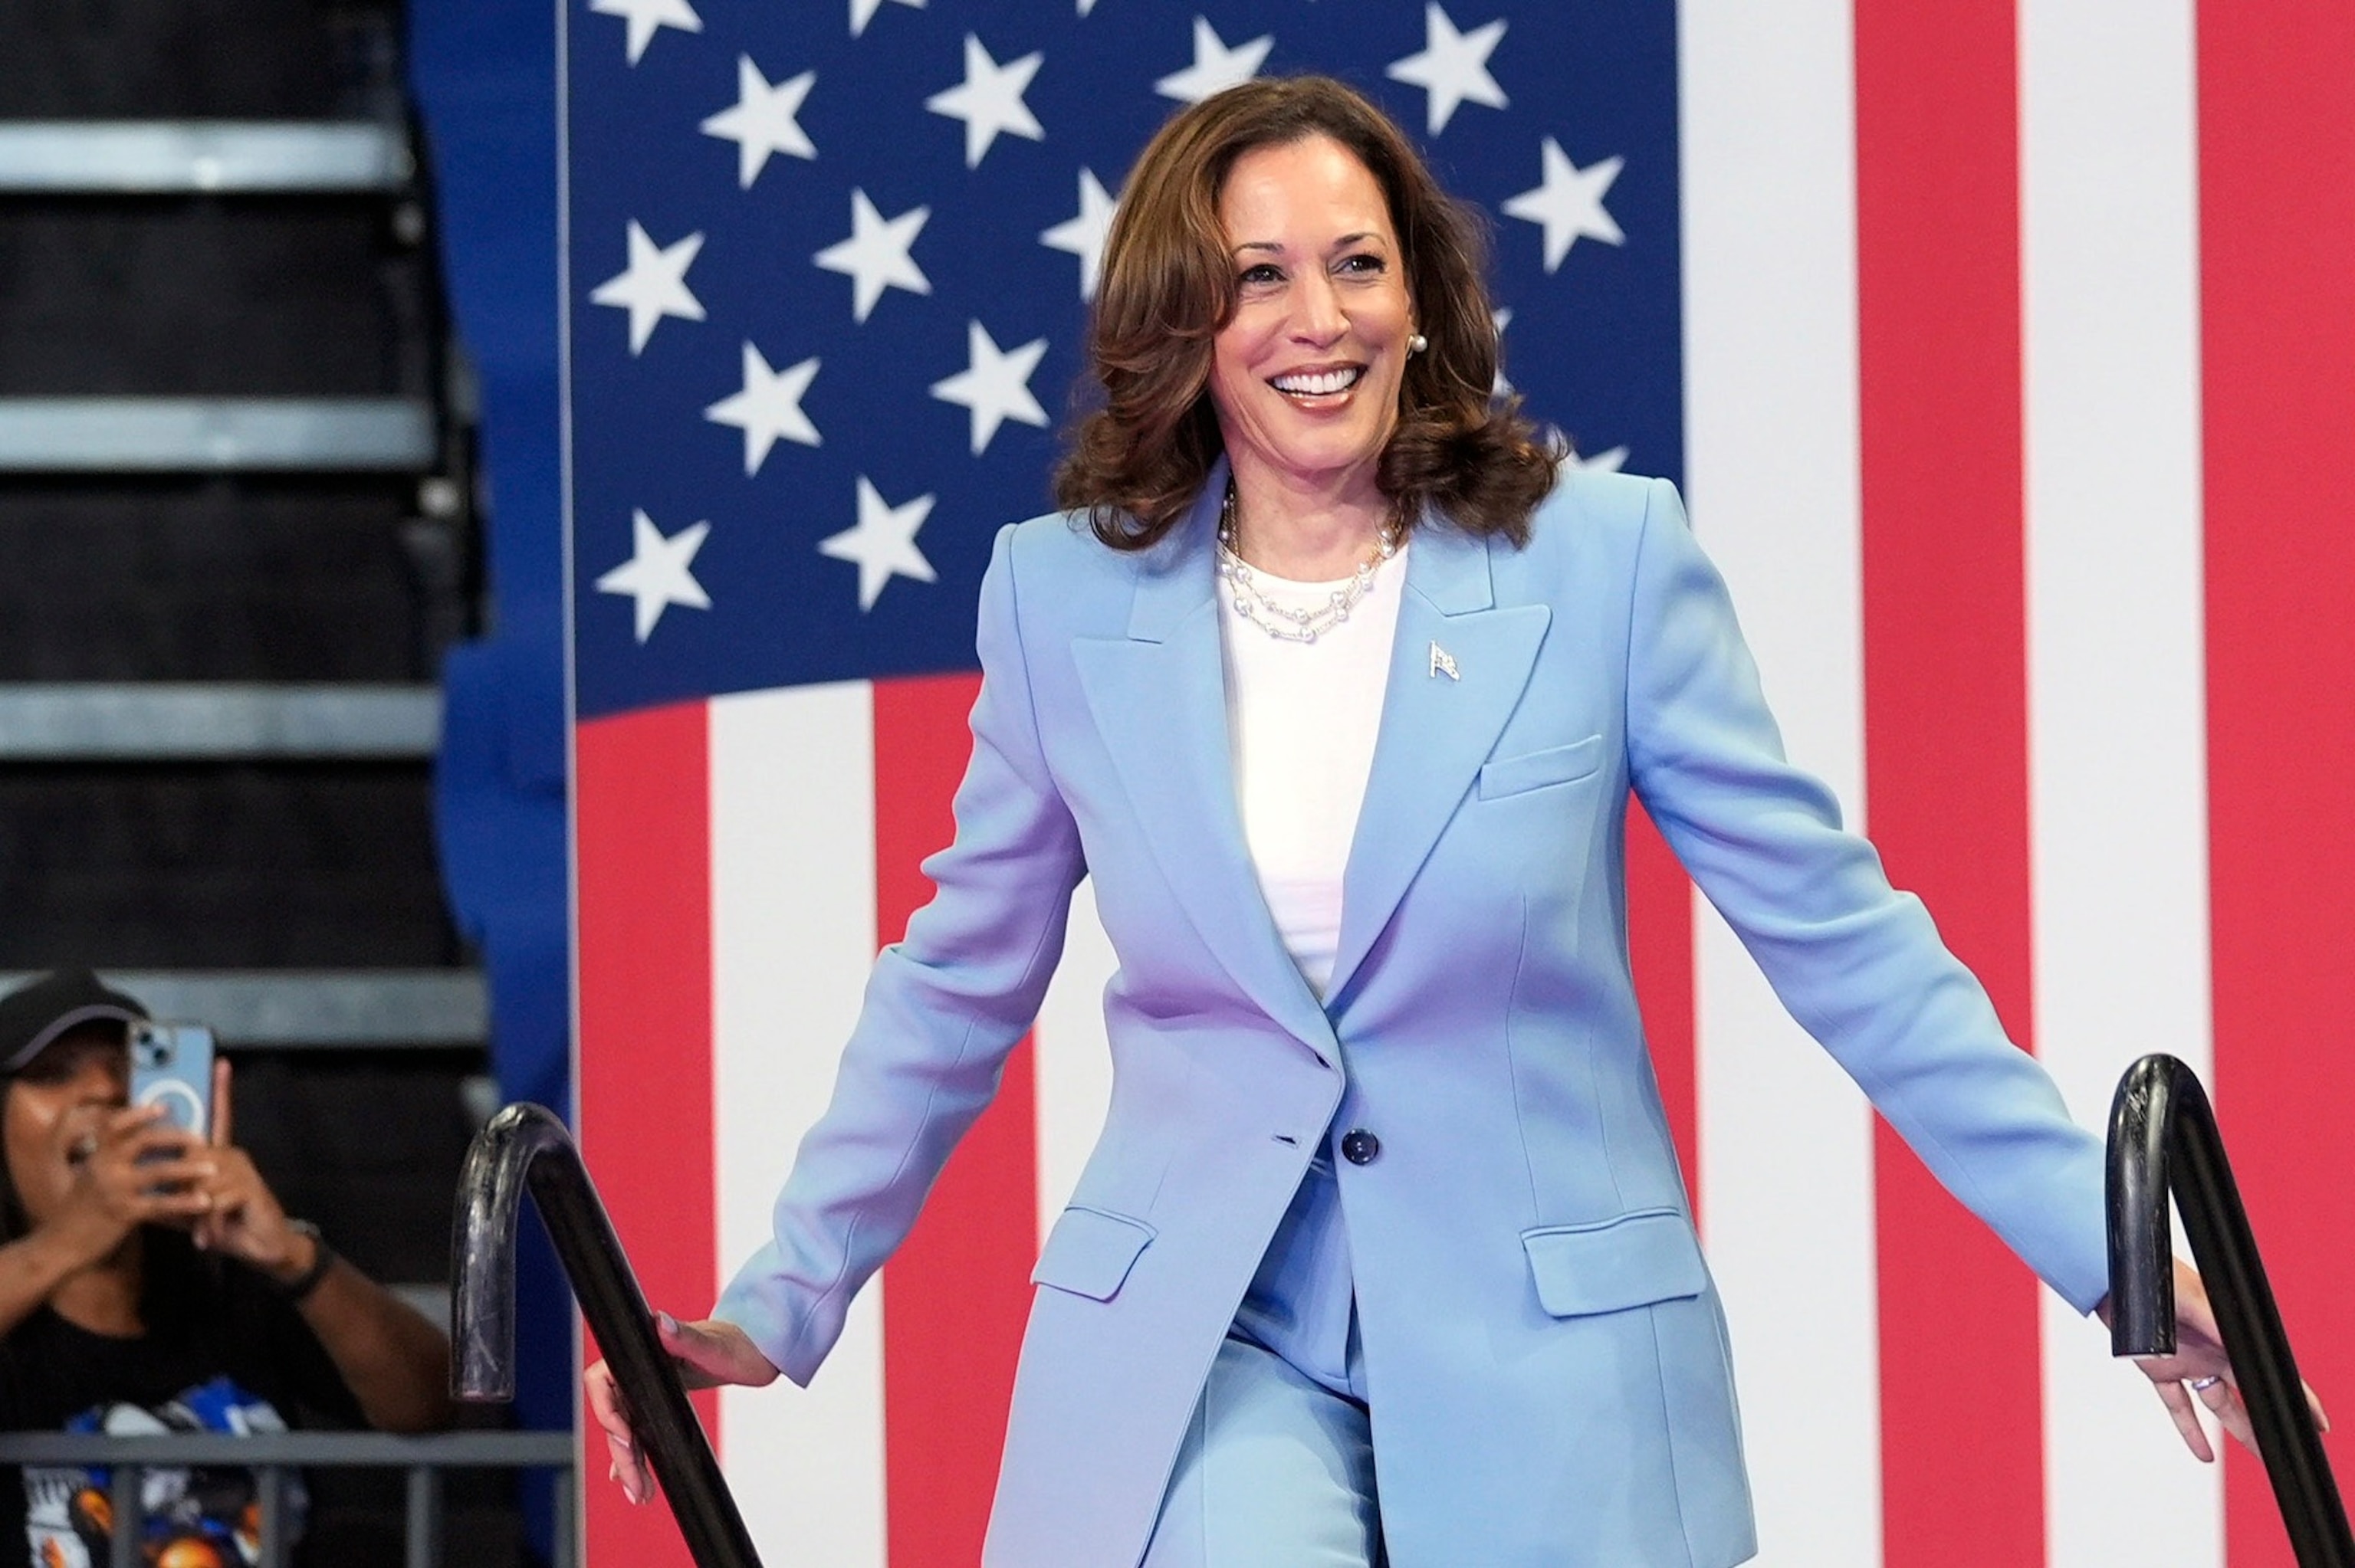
(1282, 622)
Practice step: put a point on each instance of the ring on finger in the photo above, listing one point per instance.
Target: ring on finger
(2203, 1385)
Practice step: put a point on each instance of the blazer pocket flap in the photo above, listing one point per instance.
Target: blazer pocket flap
(1089, 1252)
(1535, 769)
(1631, 1261)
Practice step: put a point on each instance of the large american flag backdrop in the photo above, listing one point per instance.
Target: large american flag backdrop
(2007, 353)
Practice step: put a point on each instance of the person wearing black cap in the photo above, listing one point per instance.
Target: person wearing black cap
(150, 1278)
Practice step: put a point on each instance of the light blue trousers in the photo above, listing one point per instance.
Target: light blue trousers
(1276, 1471)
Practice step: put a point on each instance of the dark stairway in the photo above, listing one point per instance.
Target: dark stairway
(237, 531)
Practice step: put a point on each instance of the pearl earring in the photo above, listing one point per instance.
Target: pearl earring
(1417, 343)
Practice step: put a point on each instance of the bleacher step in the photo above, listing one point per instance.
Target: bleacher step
(321, 1009)
(189, 435)
(158, 721)
(162, 157)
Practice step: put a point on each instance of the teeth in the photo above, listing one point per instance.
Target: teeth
(1323, 381)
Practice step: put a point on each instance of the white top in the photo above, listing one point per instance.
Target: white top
(1301, 720)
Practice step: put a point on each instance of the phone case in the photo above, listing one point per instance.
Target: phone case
(172, 1066)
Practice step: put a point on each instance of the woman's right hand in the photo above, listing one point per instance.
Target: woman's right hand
(708, 1354)
(128, 1168)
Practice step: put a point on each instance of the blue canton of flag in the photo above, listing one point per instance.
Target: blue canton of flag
(829, 266)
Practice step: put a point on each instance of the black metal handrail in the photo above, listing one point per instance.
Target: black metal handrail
(525, 1145)
(2163, 1139)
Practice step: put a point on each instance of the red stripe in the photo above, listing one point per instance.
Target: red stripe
(2277, 249)
(643, 809)
(1945, 717)
(1660, 951)
(958, 1294)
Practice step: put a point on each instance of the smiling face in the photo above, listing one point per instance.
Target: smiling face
(58, 1097)
(1306, 377)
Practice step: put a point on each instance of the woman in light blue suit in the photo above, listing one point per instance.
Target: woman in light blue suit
(1335, 681)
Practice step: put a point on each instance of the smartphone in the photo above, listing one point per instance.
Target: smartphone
(172, 1066)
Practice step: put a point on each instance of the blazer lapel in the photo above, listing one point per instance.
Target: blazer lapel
(1159, 700)
(1459, 665)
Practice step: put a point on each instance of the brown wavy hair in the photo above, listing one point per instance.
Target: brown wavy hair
(1140, 452)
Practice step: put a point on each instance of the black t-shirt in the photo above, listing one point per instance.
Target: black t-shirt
(209, 1320)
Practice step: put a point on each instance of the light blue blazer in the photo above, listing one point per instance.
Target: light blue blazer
(1550, 1378)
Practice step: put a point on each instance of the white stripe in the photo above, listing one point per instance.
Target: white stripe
(2117, 722)
(1768, 139)
(792, 917)
(1074, 1060)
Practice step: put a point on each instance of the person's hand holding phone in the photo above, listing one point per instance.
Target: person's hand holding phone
(242, 1217)
(127, 1168)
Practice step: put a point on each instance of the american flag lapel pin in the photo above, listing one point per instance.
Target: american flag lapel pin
(1443, 663)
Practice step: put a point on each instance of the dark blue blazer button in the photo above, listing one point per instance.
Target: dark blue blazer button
(1359, 1147)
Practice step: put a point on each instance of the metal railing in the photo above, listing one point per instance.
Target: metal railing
(525, 1145)
(2163, 1140)
(275, 1457)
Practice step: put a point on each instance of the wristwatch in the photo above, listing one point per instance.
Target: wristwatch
(323, 1258)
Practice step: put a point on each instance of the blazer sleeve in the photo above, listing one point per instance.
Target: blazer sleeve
(1857, 963)
(942, 1009)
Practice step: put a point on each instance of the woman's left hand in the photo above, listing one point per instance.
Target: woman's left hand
(245, 1220)
(2199, 1373)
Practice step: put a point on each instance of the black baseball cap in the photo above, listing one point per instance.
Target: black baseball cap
(36, 1013)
